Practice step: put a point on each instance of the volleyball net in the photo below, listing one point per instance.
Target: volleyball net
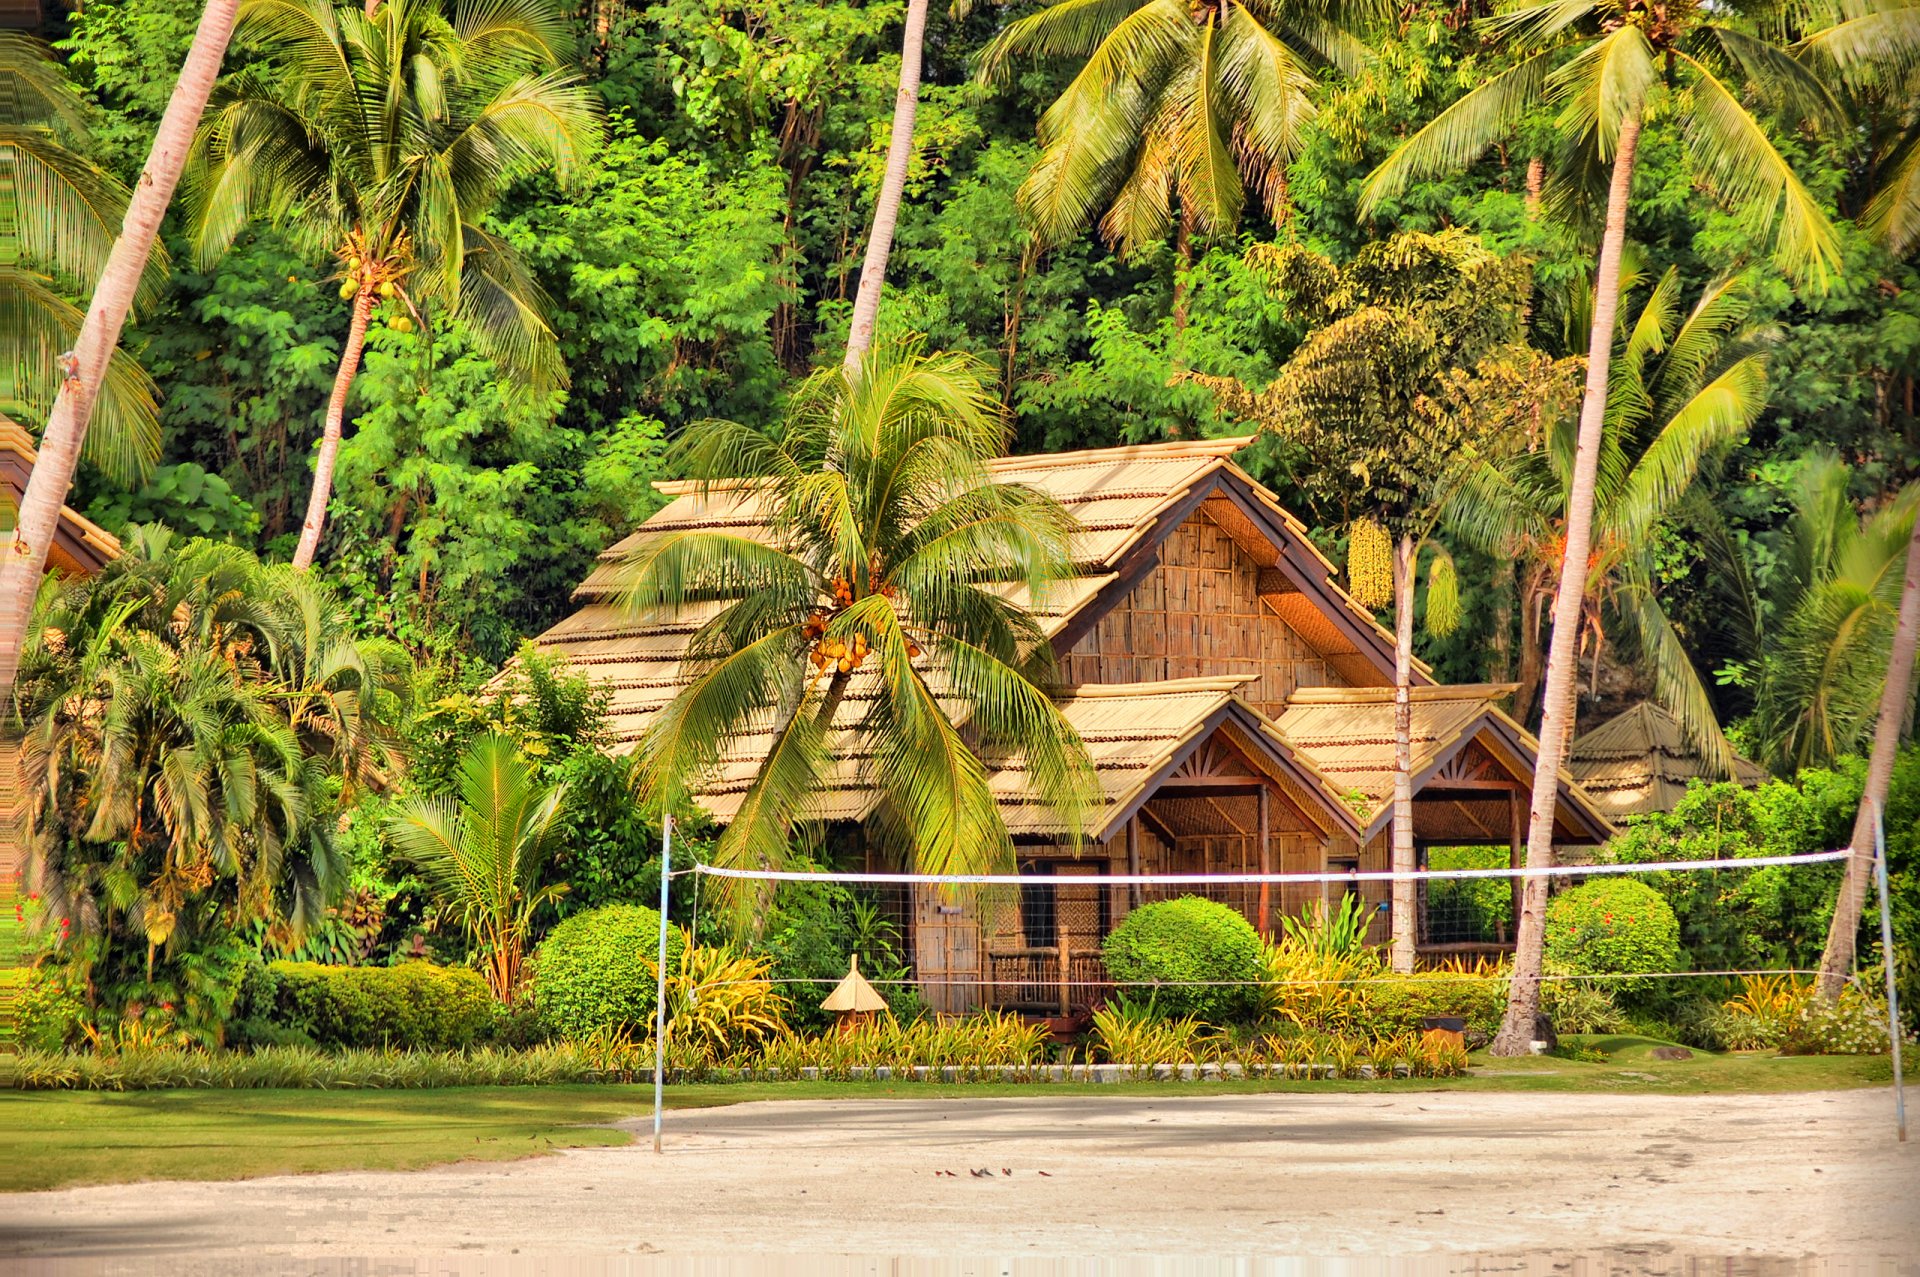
(1055, 938)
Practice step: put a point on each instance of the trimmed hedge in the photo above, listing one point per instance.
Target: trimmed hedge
(1611, 926)
(1172, 942)
(594, 972)
(415, 1006)
(1397, 1004)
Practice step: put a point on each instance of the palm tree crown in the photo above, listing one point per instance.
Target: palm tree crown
(484, 852)
(1684, 388)
(56, 229)
(1600, 64)
(388, 137)
(892, 557)
(1198, 100)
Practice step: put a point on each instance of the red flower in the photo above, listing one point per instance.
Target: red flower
(166, 1006)
(66, 922)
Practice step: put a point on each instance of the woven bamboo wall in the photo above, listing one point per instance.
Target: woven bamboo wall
(1198, 613)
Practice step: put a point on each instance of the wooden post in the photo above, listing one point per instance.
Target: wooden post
(1133, 859)
(1060, 940)
(1516, 846)
(1266, 888)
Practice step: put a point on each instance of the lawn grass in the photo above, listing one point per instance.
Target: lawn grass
(60, 1138)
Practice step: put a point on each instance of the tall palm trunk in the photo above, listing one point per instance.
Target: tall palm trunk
(39, 515)
(1836, 964)
(316, 520)
(1523, 998)
(886, 210)
(1406, 928)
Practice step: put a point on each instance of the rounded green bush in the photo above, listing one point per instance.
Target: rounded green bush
(1171, 942)
(1611, 926)
(594, 972)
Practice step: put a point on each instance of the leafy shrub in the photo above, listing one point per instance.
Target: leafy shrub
(1612, 926)
(1577, 1006)
(49, 1011)
(988, 1041)
(1340, 931)
(1131, 1031)
(306, 1066)
(415, 1005)
(1398, 1004)
(1173, 948)
(720, 1002)
(1747, 918)
(1312, 987)
(814, 930)
(1852, 1024)
(595, 972)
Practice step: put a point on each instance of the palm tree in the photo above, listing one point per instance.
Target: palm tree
(1836, 962)
(1381, 399)
(484, 853)
(170, 784)
(1872, 51)
(892, 554)
(1198, 101)
(60, 223)
(1821, 641)
(119, 284)
(473, 98)
(1603, 65)
(886, 208)
(1685, 387)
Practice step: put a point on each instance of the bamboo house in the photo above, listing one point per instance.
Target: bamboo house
(1236, 702)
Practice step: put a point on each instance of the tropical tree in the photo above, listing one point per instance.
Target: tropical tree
(1871, 51)
(1820, 641)
(1603, 67)
(177, 781)
(1194, 101)
(484, 853)
(1685, 387)
(82, 380)
(1836, 962)
(892, 554)
(59, 226)
(473, 97)
(1379, 396)
(893, 184)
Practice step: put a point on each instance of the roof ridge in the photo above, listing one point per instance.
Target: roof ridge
(1416, 695)
(1157, 687)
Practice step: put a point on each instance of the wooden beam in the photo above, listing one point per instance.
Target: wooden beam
(1133, 859)
(1516, 848)
(1266, 846)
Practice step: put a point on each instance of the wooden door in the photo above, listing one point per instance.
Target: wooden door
(946, 950)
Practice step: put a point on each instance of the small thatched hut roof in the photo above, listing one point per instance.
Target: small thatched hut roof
(854, 995)
(1641, 761)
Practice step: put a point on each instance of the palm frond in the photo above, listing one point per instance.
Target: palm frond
(1732, 147)
(1462, 133)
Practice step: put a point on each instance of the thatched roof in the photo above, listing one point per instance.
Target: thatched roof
(80, 546)
(1641, 761)
(1346, 735)
(853, 994)
(1331, 753)
(1126, 500)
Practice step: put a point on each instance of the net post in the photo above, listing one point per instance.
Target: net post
(1886, 958)
(660, 981)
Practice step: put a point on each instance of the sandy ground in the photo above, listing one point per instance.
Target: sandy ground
(1481, 1183)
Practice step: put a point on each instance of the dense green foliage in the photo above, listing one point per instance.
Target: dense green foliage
(1179, 952)
(594, 973)
(412, 1006)
(1611, 926)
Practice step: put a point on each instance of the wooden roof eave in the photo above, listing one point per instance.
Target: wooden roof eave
(1267, 752)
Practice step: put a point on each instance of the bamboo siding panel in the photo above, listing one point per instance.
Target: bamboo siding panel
(1199, 613)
